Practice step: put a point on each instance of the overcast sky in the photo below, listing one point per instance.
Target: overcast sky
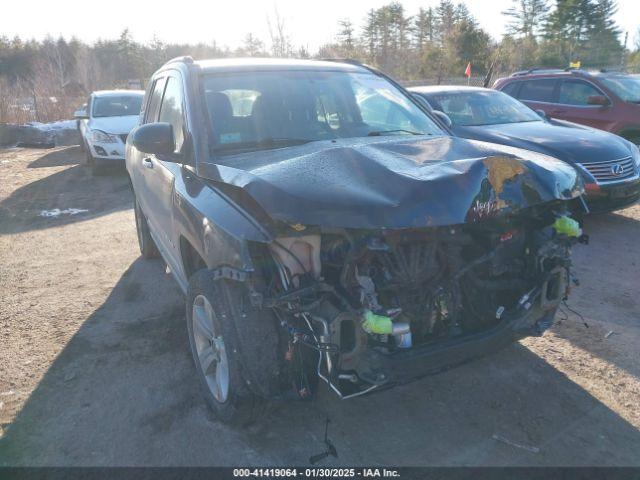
(309, 23)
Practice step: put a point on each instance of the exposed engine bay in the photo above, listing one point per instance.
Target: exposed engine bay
(349, 301)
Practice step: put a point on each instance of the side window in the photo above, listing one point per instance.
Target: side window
(171, 110)
(575, 92)
(538, 90)
(154, 102)
(511, 88)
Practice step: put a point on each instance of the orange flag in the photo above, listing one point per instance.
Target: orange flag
(467, 72)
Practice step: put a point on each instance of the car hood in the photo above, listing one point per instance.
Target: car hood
(391, 182)
(115, 125)
(563, 140)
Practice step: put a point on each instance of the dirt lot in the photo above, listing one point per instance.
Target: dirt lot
(95, 368)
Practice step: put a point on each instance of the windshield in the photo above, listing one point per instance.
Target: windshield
(116, 106)
(626, 87)
(481, 108)
(260, 110)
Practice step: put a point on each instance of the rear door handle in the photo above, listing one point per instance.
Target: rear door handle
(147, 162)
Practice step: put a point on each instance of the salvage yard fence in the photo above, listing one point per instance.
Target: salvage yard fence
(460, 80)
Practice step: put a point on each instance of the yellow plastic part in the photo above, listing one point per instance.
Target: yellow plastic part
(567, 226)
(378, 324)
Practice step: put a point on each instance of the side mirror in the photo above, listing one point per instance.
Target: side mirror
(80, 114)
(598, 100)
(154, 138)
(444, 118)
(542, 114)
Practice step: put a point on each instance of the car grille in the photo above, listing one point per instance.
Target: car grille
(124, 137)
(611, 170)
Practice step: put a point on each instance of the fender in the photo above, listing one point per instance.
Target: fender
(220, 243)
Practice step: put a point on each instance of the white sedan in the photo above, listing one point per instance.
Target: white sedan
(105, 123)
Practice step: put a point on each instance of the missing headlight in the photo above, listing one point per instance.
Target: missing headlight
(298, 255)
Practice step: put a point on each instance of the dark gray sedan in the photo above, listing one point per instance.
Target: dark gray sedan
(609, 164)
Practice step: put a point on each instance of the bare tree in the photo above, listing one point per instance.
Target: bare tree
(280, 41)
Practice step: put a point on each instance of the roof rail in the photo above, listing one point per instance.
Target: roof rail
(537, 70)
(184, 59)
(547, 70)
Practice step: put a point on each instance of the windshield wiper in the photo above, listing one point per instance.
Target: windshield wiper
(378, 133)
(272, 142)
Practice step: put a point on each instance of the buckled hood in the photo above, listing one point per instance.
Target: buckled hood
(393, 182)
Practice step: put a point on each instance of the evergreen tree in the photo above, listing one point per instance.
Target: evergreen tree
(131, 65)
(582, 30)
(345, 37)
(445, 20)
(423, 28)
(252, 46)
(16, 60)
(603, 47)
(526, 17)
(370, 35)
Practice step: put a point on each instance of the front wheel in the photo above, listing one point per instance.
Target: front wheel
(234, 347)
(148, 247)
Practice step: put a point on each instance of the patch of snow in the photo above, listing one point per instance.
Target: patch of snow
(59, 125)
(56, 212)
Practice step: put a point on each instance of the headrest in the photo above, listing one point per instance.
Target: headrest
(219, 106)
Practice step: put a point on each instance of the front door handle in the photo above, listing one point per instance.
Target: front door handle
(147, 162)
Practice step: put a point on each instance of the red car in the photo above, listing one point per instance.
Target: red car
(606, 100)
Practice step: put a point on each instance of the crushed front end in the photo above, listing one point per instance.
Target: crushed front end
(364, 309)
(401, 257)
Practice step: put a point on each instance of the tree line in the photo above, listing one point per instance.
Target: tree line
(44, 80)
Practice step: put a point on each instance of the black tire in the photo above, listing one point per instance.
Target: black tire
(89, 160)
(148, 247)
(96, 169)
(250, 345)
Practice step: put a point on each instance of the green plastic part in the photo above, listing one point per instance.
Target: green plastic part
(567, 226)
(378, 324)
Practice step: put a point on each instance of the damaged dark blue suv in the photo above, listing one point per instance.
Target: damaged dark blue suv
(323, 226)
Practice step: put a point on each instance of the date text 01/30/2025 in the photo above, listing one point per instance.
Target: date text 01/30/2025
(317, 472)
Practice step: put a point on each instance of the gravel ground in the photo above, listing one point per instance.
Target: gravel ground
(95, 367)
